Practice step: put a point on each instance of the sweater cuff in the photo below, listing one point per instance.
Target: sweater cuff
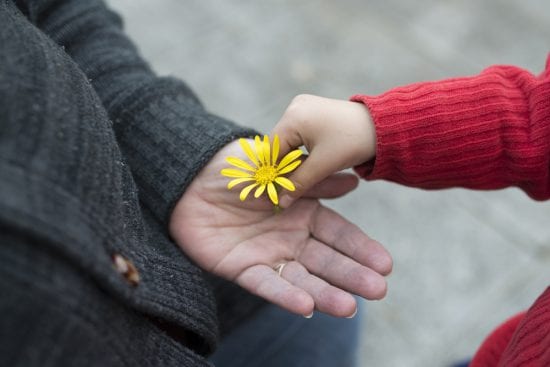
(167, 137)
(482, 132)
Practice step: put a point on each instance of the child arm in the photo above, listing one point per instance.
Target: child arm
(487, 131)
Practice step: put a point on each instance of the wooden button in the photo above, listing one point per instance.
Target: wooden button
(127, 269)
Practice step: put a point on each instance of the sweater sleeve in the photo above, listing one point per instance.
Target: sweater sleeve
(164, 133)
(488, 131)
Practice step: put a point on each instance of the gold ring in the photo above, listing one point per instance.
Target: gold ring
(279, 268)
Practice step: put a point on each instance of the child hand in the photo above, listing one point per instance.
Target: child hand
(337, 134)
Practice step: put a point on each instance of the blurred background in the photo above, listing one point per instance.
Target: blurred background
(464, 260)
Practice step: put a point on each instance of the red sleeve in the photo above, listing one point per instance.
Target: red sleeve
(523, 340)
(494, 346)
(488, 131)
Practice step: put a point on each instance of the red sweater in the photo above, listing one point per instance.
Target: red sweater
(488, 131)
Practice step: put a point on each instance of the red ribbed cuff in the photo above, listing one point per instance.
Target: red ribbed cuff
(484, 132)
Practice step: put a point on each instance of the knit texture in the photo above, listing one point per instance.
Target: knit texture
(488, 131)
(162, 129)
(95, 150)
(490, 352)
(530, 344)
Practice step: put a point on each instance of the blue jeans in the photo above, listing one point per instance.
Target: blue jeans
(276, 338)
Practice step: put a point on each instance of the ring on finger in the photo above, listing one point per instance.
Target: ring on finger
(279, 268)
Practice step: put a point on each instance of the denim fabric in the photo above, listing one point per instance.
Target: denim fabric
(277, 338)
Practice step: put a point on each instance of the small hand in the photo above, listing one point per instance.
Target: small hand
(337, 135)
(327, 258)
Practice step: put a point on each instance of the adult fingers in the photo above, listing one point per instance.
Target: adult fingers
(342, 271)
(328, 298)
(265, 282)
(297, 290)
(335, 231)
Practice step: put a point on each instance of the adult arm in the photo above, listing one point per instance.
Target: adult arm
(165, 134)
(167, 137)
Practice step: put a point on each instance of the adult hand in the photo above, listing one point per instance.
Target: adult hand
(337, 134)
(327, 258)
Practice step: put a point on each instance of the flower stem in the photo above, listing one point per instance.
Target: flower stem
(277, 209)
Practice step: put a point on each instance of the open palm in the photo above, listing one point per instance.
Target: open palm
(327, 258)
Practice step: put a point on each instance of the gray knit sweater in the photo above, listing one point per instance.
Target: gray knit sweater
(94, 152)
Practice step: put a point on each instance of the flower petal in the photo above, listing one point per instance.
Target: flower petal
(272, 192)
(291, 167)
(275, 150)
(248, 150)
(260, 190)
(286, 183)
(237, 181)
(259, 145)
(246, 191)
(231, 172)
(237, 162)
(267, 151)
(289, 158)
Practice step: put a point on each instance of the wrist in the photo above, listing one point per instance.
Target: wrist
(365, 126)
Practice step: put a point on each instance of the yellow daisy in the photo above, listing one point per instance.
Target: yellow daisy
(264, 171)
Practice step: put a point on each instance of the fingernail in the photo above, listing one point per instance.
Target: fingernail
(309, 316)
(352, 315)
(285, 201)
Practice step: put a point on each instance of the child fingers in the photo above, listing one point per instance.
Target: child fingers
(333, 186)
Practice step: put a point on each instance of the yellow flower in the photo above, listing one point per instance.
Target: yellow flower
(264, 171)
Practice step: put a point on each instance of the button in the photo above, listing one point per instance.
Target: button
(126, 268)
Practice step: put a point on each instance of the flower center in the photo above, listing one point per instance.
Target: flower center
(265, 175)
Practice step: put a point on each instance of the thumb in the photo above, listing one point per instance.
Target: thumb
(314, 169)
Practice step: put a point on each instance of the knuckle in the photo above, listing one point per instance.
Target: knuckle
(302, 98)
(298, 185)
(297, 111)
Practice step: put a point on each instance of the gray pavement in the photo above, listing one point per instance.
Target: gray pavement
(464, 260)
